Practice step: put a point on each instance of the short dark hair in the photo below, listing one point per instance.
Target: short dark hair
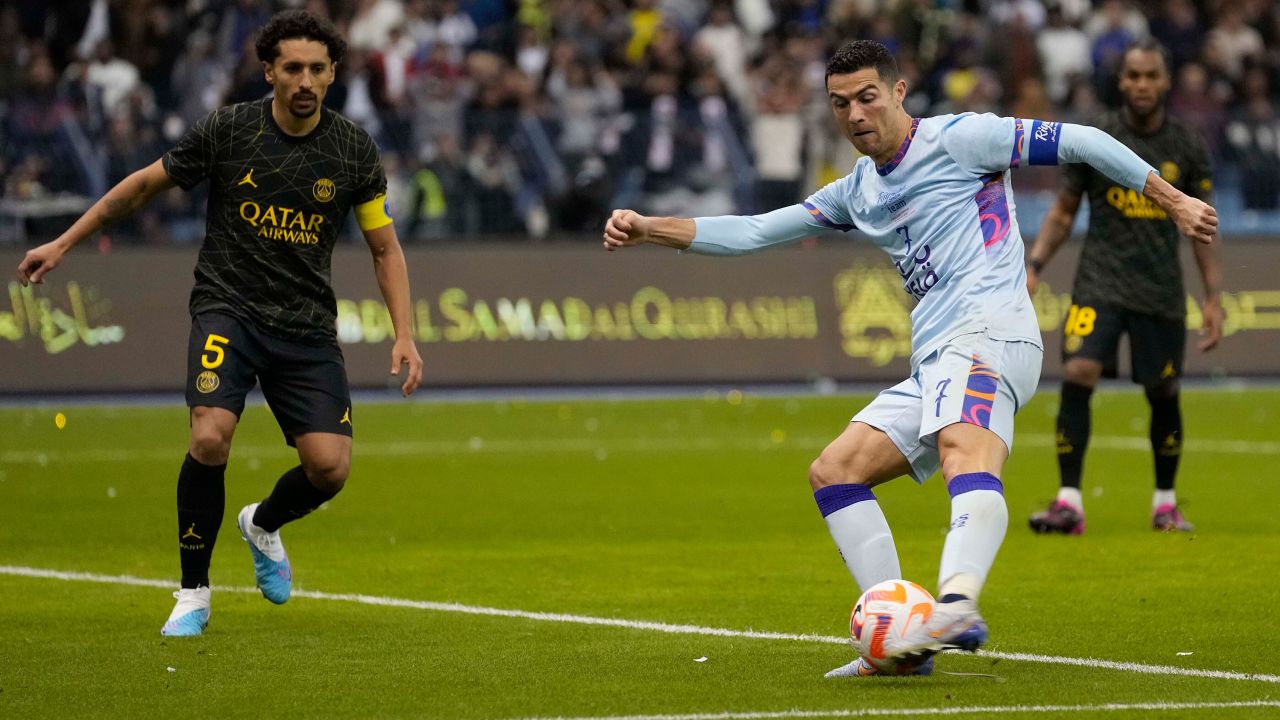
(859, 54)
(295, 25)
(1148, 45)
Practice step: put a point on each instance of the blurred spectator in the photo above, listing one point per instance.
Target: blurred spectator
(532, 54)
(1234, 40)
(240, 21)
(112, 77)
(1112, 32)
(494, 180)
(363, 87)
(1015, 58)
(439, 190)
(452, 27)
(371, 26)
(1180, 31)
(777, 137)
(1191, 102)
(643, 21)
(726, 42)
(1031, 13)
(1064, 54)
(201, 78)
(585, 103)
(38, 149)
(1083, 105)
(1253, 136)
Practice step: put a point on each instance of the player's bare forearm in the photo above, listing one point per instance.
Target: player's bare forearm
(1212, 317)
(1195, 218)
(120, 201)
(1209, 261)
(672, 232)
(626, 228)
(1055, 229)
(392, 271)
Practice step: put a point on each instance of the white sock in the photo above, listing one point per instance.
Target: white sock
(1163, 497)
(1072, 497)
(862, 534)
(978, 522)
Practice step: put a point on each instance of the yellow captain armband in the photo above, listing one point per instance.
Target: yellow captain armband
(373, 214)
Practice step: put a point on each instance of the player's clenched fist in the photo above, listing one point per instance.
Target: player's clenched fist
(624, 229)
(1197, 220)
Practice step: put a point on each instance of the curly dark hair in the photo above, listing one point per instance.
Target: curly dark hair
(295, 25)
(859, 54)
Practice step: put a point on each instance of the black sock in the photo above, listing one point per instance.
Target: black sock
(1166, 435)
(201, 500)
(293, 497)
(1073, 432)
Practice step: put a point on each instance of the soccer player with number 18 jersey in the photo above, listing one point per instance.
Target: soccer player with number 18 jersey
(933, 193)
(1129, 282)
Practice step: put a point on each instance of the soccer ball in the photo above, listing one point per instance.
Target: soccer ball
(887, 610)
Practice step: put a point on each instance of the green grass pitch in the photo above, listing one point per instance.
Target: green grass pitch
(689, 511)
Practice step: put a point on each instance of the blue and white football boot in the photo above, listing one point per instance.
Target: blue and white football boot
(954, 625)
(190, 615)
(862, 668)
(270, 563)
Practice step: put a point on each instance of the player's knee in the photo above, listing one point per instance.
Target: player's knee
(1082, 373)
(965, 448)
(1163, 389)
(830, 470)
(209, 446)
(329, 472)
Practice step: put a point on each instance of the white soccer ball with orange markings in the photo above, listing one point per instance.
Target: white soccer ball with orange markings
(886, 611)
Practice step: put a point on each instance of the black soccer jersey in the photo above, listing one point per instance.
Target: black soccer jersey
(276, 206)
(1130, 256)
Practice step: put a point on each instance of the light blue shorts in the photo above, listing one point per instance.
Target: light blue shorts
(973, 379)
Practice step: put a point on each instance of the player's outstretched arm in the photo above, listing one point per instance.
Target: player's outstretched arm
(1080, 143)
(721, 235)
(120, 201)
(1054, 230)
(393, 280)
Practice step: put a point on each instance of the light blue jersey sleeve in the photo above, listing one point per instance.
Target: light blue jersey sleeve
(742, 234)
(987, 143)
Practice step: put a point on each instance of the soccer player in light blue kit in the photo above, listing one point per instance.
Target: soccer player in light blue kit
(934, 194)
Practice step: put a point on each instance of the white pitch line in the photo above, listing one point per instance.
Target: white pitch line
(482, 446)
(915, 712)
(674, 629)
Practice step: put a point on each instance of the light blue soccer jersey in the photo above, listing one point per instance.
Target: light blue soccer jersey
(943, 210)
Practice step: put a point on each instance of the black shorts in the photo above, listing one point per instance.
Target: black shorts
(305, 385)
(1157, 345)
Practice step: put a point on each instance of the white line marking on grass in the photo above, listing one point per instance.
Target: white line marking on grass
(674, 629)
(483, 446)
(972, 710)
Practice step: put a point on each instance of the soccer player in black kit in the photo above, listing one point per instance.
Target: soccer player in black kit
(283, 174)
(1129, 281)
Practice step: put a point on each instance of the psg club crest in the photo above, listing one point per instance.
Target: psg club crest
(323, 190)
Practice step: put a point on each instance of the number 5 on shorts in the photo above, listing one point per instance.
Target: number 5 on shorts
(214, 354)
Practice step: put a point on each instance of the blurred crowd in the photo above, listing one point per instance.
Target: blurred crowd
(528, 118)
